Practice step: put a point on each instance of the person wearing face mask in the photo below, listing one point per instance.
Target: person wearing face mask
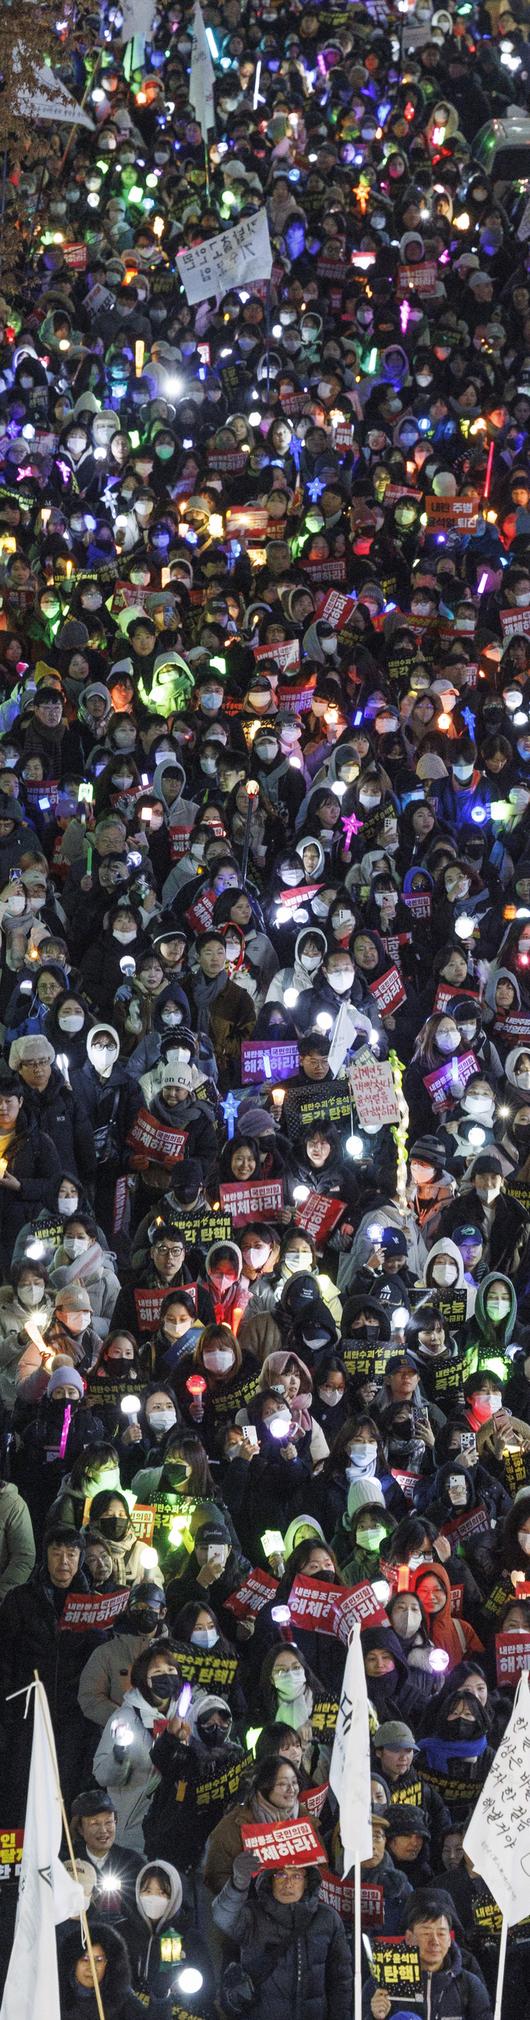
(159, 1906)
(362, 1534)
(332, 1403)
(106, 1674)
(310, 948)
(122, 1760)
(206, 1657)
(194, 1757)
(458, 796)
(80, 1258)
(455, 1747)
(231, 1376)
(60, 1426)
(110, 1099)
(100, 967)
(50, 1103)
(26, 1294)
(431, 1084)
(109, 1513)
(335, 984)
(444, 1273)
(485, 1201)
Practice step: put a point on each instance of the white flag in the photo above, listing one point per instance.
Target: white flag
(227, 261)
(201, 75)
(349, 1774)
(47, 1894)
(137, 19)
(498, 1836)
(47, 98)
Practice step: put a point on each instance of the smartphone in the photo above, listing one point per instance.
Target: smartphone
(250, 1434)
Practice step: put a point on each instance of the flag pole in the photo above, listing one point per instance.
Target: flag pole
(358, 1983)
(67, 1833)
(501, 1969)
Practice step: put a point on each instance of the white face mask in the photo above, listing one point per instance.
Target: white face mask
(154, 1906)
(340, 980)
(71, 1024)
(523, 1539)
(331, 1397)
(15, 905)
(320, 907)
(124, 934)
(204, 1637)
(478, 1104)
(161, 1420)
(360, 1457)
(30, 1294)
(258, 1256)
(497, 1308)
(311, 962)
(448, 1041)
(104, 1057)
(291, 1682)
(523, 1079)
(218, 1360)
(368, 799)
(75, 1245)
(233, 950)
(171, 1018)
(67, 1205)
(444, 1273)
(289, 878)
(106, 1482)
(295, 1261)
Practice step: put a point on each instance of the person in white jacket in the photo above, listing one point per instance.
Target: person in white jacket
(122, 1761)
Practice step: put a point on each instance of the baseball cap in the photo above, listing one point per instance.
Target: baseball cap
(394, 1733)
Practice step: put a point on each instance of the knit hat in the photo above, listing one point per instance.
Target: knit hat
(29, 1049)
(363, 1493)
(73, 1298)
(65, 1374)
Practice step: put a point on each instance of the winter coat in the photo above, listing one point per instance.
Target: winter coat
(143, 1944)
(297, 1957)
(451, 1994)
(17, 1543)
(58, 1111)
(224, 1844)
(231, 1018)
(120, 2002)
(31, 1638)
(98, 1278)
(181, 1813)
(126, 1771)
(30, 1157)
(106, 1675)
(13, 1341)
(110, 1106)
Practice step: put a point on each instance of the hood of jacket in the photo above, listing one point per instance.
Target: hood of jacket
(117, 1980)
(512, 1061)
(174, 1902)
(498, 1335)
(446, 1247)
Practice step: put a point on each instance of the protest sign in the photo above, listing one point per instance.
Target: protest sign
(395, 1965)
(462, 1528)
(268, 1060)
(205, 1669)
(294, 1843)
(419, 280)
(152, 1141)
(340, 1894)
(220, 1788)
(11, 1843)
(261, 1199)
(85, 1610)
(388, 992)
(257, 1589)
(332, 1609)
(444, 514)
(318, 1216)
(149, 1299)
(373, 1089)
(143, 1522)
(447, 1083)
(512, 1655)
(228, 260)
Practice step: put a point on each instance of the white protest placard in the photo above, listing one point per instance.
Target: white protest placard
(373, 1089)
(202, 75)
(498, 1836)
(344, 1035)
(229, 260)
(137, 19)
(46, 97)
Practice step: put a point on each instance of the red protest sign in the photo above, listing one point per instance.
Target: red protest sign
(462, 1528)
(286, 657)
(514, 621)
(11, 1843)
(148, 1301)
(445, 994)
(200, 914)
(178, 841)
(151, 1140)
(318, 1216)
(296, 699)
(456, 1601)
(259, 1200)
(85, 1610)
(512, 1655)
(75, 255)
(332, 1609)
(446, 513)
(251, 519)
(261, 1060)
(335, 609)
(324, 571)
(517, 1027)
(314, 1800)
(258, 1587)
(340, 1894)
(388, 992)
(421, 280)
(291, 1844)
(143, 1522)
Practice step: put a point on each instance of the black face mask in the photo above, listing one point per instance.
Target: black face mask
(212, 1736)
(177, 1472)
(142, 1619)
(120, 1370)
(164, 1685)
(463, 1728)
(114, 1526)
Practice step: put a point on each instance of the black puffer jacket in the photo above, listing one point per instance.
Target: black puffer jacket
(60, 1113)
(31, 1158)
(120, 2002)
(297, 1957)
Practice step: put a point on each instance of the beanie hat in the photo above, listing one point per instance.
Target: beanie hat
(363, 1494)
(65, 1374)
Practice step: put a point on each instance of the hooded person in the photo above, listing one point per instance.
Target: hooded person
(80, 1258)
(444, 1272)
(455, 1636)
(395, 1691)
(192, 1757)
(159, 1905)
(122, 1760)
(290, 1943)
(110, 1960)
(492, 1335)
(286, 1372)
(454, 1745)
(33, 1637)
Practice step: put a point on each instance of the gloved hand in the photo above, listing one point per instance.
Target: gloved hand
(244, 1869)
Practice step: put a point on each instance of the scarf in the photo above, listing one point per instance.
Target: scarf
(438, 1752)
(81, 1265)
(267, 1813)
(206, 994)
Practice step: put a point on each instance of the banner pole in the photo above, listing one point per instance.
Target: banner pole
(358, 1985)
(501, 1969)
(67, 1833)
